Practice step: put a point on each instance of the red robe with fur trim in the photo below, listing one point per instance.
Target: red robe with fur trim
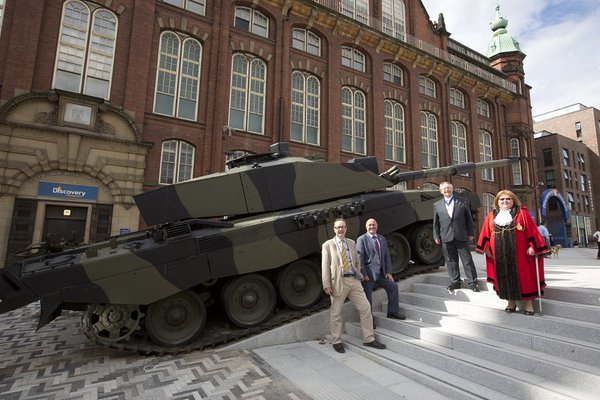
(509, 269)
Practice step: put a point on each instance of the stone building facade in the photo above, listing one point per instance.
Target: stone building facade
(101, 100)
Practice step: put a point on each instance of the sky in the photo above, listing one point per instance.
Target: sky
(558, 37)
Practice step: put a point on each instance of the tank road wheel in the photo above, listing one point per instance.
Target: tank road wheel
(299, 284)
(111, 323)
(248, 300)
(399, 252)
(423, 245)
(176, 320)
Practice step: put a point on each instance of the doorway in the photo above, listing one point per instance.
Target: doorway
(64, 224)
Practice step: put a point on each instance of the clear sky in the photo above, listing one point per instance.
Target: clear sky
(561, 40)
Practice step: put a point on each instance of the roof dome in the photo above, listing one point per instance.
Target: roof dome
(501, 41)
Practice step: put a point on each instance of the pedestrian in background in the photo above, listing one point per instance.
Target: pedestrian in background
(511, 242)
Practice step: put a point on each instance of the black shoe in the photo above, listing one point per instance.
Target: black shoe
(374, 327)
(474, 288)
(528, 312)
(453, 287)
(510, 310)
(396, 316)
(339, 347)
(375, 344)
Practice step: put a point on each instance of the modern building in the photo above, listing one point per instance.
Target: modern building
(101, 100)
(571, 135)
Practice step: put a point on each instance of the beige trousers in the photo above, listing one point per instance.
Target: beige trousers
(353, 290)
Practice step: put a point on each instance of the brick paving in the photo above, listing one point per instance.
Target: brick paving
(59, 362)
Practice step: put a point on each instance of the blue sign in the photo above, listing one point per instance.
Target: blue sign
(123, 231)
(77, 192)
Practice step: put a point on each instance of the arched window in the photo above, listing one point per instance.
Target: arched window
(394, 18)
(251, 20)
(488, 203)
(483, 108)
(353, 58)
(457, 98)
(393, 73)
(427, 86)
(459, 142)
(353, 120)
(178, 76)
(429, 140)
(86, 50)
(431, 186)
(306, 41)
(395, 149)
(515, 151)
(305, 114)
(248, 90)
(176, 162)
(485, 154)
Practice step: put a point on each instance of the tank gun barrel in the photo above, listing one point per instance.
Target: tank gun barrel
(395, 176)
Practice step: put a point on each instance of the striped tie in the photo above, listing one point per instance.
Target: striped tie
(345, 263)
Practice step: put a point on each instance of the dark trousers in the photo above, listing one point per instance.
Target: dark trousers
(452, 251)
(391, 288)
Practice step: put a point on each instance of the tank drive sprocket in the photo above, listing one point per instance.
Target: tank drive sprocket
(111, 323)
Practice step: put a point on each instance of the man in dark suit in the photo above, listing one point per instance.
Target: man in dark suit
(341, 276)
(376, 265)
(453, 228)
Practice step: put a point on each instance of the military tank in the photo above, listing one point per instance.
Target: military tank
(246, 239)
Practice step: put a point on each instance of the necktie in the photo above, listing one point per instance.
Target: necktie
(345, 263)
(376, 242)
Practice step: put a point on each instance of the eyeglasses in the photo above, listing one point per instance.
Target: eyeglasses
(505, 199)
(340, 227)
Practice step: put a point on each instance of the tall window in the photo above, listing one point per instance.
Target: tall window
(483, 108)
(356, 9)
(395, 149)
(251, 20)
(550, 178)
(86, 50)
(195, 6)
(178, 76)
(353, 120)
(353, 58)
(578, 129)
(459, 142)
(2, 6)
(583, 183)
(571, 201)
(176, 162)
(429, 140)
(427, 86)
(457, 98)
(306, 41)
(488, 203)
(248, 90)
(394, 18)
(515, 151)
(393, 73)
(485, 154)
(565, 153)
(306, 94)
(547, 154)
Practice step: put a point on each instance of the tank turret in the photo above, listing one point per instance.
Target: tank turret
(244, 239)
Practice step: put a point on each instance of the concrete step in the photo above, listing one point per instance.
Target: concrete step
(484, 374)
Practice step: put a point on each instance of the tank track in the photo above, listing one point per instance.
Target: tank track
(220, 333)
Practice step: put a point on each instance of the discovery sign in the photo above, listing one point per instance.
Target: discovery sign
(78, 192)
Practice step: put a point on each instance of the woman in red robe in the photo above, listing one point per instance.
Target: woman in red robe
(512, 243)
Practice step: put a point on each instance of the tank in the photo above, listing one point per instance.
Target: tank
(245, 239)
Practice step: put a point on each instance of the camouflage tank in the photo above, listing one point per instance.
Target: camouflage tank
(245, 239)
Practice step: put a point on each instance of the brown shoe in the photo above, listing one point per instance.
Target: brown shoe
(339, 347)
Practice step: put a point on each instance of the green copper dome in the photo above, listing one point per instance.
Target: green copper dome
(501, 42)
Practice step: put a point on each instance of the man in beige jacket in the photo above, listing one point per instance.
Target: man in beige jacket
(340, 267)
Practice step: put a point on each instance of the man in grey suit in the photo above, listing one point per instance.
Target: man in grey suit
(341, 276)
(376, 266)
(453, 228)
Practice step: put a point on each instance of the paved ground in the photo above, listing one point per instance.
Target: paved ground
(58, 362)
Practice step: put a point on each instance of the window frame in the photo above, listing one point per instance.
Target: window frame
(483, 108)
(393, 18)
(185, 4)
(177, 162)
(427, 86)
(393, 74)
(394, 131)
(486, 152)
(354, 120)
(457, 98)
(459, 142)
(515, 151)
(430, 154)
(305, 41)
(254, 20)
(353, 58)
(251, 98)
(307, 107)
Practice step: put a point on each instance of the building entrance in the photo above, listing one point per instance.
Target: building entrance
(64, 224)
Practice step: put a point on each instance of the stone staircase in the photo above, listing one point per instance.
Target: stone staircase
(465, 346)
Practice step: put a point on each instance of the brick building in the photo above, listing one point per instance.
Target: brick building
(100, 100)
(571, 133)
